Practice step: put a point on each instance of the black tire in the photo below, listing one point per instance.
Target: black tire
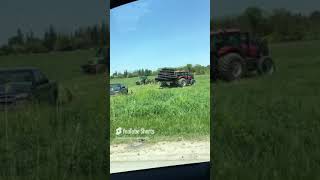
(182, 82)
(192, 82)
(231, 67)
(266, 66)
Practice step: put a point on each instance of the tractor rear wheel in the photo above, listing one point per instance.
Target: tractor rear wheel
(231, 67)
(266, 66)
(182, 82)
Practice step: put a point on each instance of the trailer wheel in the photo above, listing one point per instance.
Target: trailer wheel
(163, 84)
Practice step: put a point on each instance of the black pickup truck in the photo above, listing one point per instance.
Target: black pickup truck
(117, 89)
(25, 84)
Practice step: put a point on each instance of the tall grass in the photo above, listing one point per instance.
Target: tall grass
(268, 127)
(57, 142)
(170, 112)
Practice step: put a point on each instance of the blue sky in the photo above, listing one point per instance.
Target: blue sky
(159, 33)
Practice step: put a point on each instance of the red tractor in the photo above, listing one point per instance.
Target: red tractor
(235, 54)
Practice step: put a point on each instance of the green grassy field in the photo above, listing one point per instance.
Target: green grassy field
(263, 127)
(269, 127)
(56, 142)
(170, 112)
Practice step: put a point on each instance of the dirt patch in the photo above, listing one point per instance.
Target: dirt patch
(161, 151)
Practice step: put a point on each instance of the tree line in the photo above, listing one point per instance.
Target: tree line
(196, 69)
(279, 25)
(82, 38)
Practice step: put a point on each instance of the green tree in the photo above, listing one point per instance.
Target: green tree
(63, 43)
(50, 38)
(189, 67)
(253, 16)
(33, 44)
(125, 74)
(16, 43)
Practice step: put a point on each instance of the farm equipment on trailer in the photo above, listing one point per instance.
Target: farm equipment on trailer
(172, 77)
(144, 80)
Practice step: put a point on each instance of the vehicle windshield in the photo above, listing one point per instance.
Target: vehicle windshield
(15, 77)
(115, 87)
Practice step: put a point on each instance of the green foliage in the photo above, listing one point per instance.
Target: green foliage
(34, 45)
(196, 69)
(63, 43)
(280, 25)
(253, 17)
(49, 38)
(82, 38)
(136, 73)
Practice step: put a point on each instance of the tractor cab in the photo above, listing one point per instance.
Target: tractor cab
(184, 74)
(249, 46)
